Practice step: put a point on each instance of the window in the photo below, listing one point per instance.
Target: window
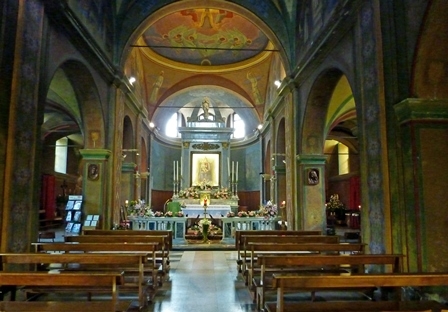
(171, 127)
(60, 155)
(239, 126)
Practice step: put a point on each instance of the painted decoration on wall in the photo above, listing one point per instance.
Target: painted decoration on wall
(205, 37)
(205, 169)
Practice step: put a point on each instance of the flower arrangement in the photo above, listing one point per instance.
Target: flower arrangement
(158, 214)
(335, 203)
(242, 214)
(270, 210)
(251, 214)
(230, 214)
(194, 191)
(138, 208)
(179, 214)
(169, 214)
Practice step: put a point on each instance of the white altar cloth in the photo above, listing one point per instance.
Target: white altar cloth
(216, 211)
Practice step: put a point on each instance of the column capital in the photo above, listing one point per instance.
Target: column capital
(415, 109)
(95, 154)
(312, 160)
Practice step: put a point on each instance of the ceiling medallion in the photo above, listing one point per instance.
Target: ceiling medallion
(205, 146)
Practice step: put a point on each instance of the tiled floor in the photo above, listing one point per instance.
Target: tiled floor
(203, 281)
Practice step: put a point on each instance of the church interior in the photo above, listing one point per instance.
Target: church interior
(331, 115)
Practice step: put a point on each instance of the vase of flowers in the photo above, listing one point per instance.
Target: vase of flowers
(268, 211)
(204, 226)
(336, 207)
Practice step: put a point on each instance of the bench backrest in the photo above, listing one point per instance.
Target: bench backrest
(317, 248)
(240, 233)
(132, 233)
(310, 260)
(96, 247)
(363, 280)
(161, 239)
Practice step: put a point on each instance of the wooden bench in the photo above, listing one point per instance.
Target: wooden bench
(131, 232)
(285, 283)
(256, 249)
(162, 254)
(240, 233)
(313, 264)
(108, 281)
(151, 267)
(300, 239)
(134, 282)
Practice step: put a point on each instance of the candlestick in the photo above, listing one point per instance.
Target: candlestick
(236, 173)
(177, 170)
(233, 171)
(174, 170)
(228, 166)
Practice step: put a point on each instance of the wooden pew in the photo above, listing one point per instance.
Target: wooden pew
(285, 283)
(108, 281)
(256, 249)
(240, 233)
(76, 262)
(300, 239)
(150, 267)
(131, 232)
(163, 240)
(307, 264)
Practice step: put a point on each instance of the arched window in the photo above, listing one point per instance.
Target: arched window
(60, 153)
(171, 127)
(239, 126)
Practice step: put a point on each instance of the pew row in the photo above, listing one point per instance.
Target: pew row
(301, 239)
(106, 281)
(131, 266)
(255, 249)
(162, 254)
(240, 233)
(284, 283)
(167, 233)
(312, 264)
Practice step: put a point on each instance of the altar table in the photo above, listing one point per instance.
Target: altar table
(215, 211)
(175, 224)
(230, 225)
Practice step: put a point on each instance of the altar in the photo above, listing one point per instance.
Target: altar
(215, 211)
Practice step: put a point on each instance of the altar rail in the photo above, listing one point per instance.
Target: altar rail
(175, 224)
(230, 225)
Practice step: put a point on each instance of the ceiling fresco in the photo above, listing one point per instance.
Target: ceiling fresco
(205, 37)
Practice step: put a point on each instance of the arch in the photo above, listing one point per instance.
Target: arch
(316, 111)
(87, 94)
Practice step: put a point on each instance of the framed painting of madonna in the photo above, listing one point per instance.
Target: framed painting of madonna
(205, 169)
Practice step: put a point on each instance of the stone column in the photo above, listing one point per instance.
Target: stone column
(20, 108)
(96, 179)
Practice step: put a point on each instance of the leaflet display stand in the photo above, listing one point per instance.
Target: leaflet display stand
(73, 216)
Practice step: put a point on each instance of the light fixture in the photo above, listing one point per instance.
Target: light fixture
(151, 125)
(260, 126)
(277, 83)
(132, 80)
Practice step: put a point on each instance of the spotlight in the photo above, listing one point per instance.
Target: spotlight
(277, 83)
(132, 80)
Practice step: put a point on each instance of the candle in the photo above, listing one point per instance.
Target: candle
(228, 166)
(177, 170)
(236, 172)
(283, 203)
(174, 170)
(233, 171)
(126, 202)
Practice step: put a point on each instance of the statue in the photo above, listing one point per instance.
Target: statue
(206, 107)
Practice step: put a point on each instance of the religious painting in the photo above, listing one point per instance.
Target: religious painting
(205, 169)
(313, 176)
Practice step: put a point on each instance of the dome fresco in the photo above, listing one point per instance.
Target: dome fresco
(205, 37)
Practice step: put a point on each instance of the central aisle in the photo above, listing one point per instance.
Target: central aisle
(203, 281)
